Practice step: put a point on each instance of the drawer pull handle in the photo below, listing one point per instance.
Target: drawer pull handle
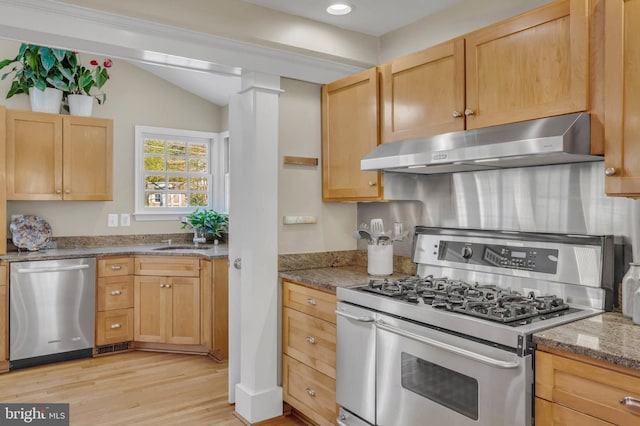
(168, 286)
(311, 340)
(116, 293)
(116, 325)
(310, 392)
(161, 285)
(116, 267)
(631, 402)
(311, 301)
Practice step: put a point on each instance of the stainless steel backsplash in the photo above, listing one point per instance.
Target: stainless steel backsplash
(561, 198)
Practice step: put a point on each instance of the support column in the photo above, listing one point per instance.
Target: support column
(253, 292)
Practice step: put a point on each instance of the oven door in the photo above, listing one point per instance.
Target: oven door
(449, 380)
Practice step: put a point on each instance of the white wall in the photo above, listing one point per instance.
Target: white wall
(300, 187)
(134, 97)
(455, 21)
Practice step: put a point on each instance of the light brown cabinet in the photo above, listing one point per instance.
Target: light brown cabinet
(423, 93)
(167, 300)
(114, 301)
(4, 320)
(3, 188)
(58, 157)
(350, 130)
(309, 352)
(572, 390)
(622, 104)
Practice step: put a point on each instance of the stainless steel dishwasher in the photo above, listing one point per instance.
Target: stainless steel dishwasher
(51, 311)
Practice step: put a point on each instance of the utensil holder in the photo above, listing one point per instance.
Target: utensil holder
(630, 283)
(380, 259)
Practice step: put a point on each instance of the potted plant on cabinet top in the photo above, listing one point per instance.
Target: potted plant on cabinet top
(80, 98)
(206, 222)
(40, 70)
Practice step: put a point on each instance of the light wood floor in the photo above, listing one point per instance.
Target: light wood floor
(132, 388)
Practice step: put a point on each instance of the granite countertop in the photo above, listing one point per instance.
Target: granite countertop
(333, 277)
(211, 252)
(607, 337)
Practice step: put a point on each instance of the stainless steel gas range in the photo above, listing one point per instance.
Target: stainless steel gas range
(452, 345)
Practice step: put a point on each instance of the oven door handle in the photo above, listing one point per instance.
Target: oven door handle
(354, 317)
(449, 348)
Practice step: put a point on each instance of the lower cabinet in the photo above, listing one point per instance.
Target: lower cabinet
(166, 307)
(4, 320)
(114, 303)
(572, 390)
(309, 352)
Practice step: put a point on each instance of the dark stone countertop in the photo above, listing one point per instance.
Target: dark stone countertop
(212, 252)
(606, 337)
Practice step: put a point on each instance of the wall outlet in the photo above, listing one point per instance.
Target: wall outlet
(112, 220)
(125, 219)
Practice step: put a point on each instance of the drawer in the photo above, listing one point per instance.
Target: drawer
(115, 266)
(313, 302)
(309, 391)
(167, 266)
(114, 326)
(309, 340)
(115, 293)
(550, 414)
(587, 388)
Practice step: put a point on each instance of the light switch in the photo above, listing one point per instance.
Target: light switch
(112, 220)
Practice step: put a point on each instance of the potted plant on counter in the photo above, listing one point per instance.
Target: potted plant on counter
(41, 72)
(207, 223)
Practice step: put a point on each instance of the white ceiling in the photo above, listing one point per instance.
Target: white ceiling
(373, 17)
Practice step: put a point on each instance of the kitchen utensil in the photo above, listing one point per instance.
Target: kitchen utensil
(377, 227)
(356, 235)
(383, 239)
(366, 235)
(401, 236)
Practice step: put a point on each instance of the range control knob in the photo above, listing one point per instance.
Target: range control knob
(467, 252)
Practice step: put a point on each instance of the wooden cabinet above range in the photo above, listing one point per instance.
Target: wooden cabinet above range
(58, 157)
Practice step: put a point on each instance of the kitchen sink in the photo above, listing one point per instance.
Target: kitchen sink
(185, 247)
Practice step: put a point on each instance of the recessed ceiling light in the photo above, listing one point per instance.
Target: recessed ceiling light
(339, 9)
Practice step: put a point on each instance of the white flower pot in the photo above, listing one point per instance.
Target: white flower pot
(80, 105)
(48, 100)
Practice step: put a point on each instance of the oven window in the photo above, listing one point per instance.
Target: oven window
(446, 387)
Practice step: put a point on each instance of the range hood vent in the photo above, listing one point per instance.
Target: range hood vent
(554, 140)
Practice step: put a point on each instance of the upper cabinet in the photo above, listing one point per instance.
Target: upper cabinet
(349, 132)
(531, 66)
(622, 103)
(3, 204)
(58, 157)
(423, 93)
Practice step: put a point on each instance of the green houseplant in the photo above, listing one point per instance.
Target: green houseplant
(84, 79)
(207, 222)
(39, 67)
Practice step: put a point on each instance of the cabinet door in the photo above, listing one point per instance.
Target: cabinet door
(220, 309)
(4, 316)
(88, 159)
(150, 307)
(531, 66)
(349, 132)
(423, 93)
(550, 414)
(34, 156)
(3, 188)
(622, 105)
(114, 293)
(114, 326)
(183, 310)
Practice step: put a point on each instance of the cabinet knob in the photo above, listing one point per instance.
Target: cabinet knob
(58, 191)
(456, 114)
(469, 112)
(311, 301)
(372, 183)
(161, 285)
(237, 263)
(310, 392)
(168, 285)
(311, 340)
(116, 293)
(67, 191)
(116, 325)
(631, 403)
(610, 171)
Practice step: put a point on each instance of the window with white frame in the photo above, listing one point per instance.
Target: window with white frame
(178, 171)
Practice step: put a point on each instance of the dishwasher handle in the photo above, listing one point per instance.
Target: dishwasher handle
(447, 347)
(354, 317)
(52, 269)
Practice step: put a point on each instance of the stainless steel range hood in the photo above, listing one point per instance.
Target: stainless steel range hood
(554, 140)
